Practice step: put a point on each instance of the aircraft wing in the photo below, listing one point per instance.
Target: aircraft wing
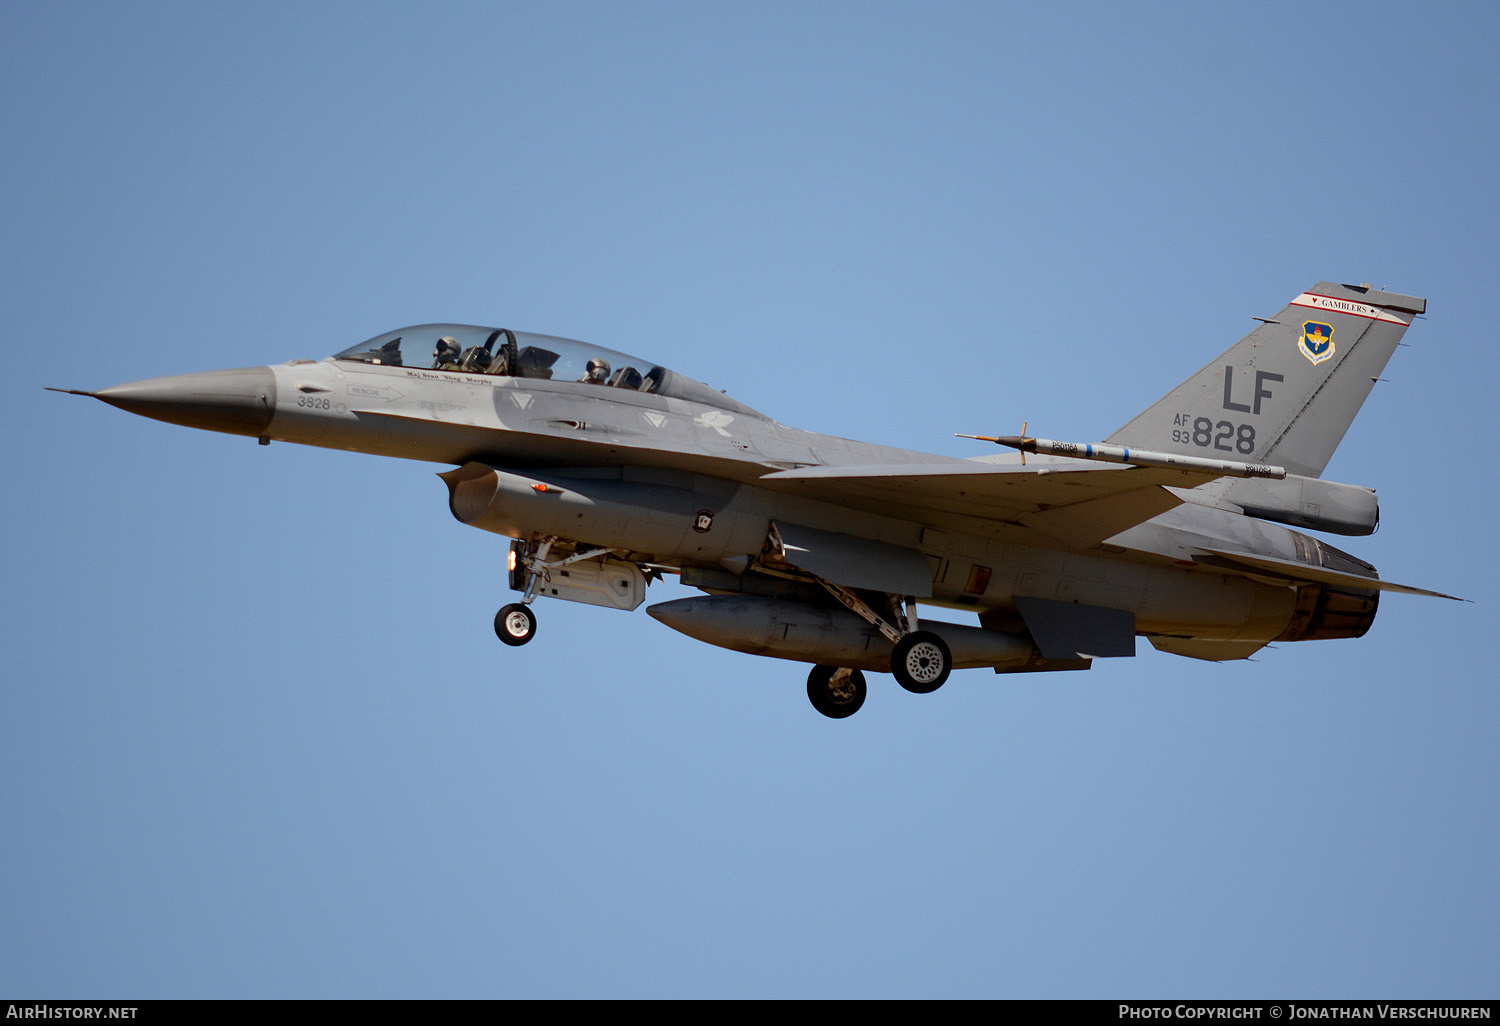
(1079, 503)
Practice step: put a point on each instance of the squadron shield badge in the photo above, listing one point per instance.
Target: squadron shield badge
(1316, 342)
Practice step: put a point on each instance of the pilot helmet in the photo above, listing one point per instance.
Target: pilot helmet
(598, 369)
(447, 349)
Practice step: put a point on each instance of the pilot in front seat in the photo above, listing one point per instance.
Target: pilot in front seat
(447, 353)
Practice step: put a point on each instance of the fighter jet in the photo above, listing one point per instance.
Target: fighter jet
(607, 471)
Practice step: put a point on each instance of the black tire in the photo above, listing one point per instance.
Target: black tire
(835, 700)
(515, 624)
(921, 662)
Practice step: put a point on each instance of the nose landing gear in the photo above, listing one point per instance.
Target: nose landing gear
(515, 624)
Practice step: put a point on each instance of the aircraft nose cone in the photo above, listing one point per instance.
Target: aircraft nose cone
(239, 402)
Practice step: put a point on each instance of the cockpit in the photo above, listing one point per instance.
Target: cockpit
(471, 349)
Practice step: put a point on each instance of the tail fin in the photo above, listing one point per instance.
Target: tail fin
(1285, 393)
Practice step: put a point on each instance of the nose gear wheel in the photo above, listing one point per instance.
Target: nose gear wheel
(515, 624)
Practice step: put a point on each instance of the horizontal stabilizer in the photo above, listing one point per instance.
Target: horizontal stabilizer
(1292, 571)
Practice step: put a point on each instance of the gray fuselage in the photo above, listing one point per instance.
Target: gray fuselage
(583, 431)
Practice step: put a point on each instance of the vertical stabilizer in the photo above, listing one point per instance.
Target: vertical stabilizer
(1285, 393)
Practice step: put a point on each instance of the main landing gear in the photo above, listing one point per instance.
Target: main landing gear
(835, 691)
(920, 661)
(920, 664)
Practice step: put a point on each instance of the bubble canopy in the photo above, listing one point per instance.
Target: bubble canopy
(473, 349)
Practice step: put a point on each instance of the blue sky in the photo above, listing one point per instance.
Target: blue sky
(258, 737)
